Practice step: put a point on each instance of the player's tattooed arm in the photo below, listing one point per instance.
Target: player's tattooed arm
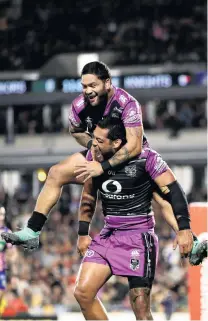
(132, 148)
(80, 135)
(88, 201)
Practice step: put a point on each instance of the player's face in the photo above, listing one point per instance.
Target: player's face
(95, 90)
(106, 146)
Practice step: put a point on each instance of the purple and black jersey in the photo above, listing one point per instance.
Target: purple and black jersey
(127, 191)
(84, 117)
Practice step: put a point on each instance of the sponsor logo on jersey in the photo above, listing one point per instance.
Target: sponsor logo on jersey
(114, 183)
(116, 109)
(111, 173)
(135, 252)
(118, 197)
(113, 194)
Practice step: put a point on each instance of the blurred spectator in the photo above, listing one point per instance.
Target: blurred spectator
(159, 114)
(140, 33)
(41, 283)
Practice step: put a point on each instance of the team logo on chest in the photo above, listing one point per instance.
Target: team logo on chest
(131, 170)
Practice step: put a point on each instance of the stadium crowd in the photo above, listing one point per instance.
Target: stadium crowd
(42, 283)
(139, 32)
(157, 115)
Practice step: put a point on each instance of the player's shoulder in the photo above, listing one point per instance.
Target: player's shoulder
(148, 152)
(123, 97)
(79, 103)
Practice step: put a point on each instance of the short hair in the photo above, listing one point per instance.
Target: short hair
(116, 128)
(98, 68)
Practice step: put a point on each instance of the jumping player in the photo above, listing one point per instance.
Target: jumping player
(99, 98)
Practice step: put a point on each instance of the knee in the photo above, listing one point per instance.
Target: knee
(82, 294)
(55, 173)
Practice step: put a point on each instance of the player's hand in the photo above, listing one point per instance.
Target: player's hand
(184, 239)
(82, 244)
(88, 169)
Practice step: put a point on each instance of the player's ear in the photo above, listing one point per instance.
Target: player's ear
(117, 143)
(107, 84)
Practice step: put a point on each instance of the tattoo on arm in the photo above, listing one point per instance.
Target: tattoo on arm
(134, 136)
(120, 156)
(87, 206)
(88, 202)
(81, 138)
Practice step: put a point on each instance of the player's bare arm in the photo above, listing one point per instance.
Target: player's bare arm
(174, 194)
(134, 136)
(132, 148)
(81, 136)
(166, 210)
(86, 211)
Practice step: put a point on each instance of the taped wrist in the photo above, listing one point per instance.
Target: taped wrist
(178, 201)
(36, 221)
(83, 228)
(105, 165)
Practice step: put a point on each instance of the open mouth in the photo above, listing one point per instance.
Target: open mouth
(92, 98)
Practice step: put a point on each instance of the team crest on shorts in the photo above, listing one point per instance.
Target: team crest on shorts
(131, 170)
(134, 261)
(89, 253)
(134, 264)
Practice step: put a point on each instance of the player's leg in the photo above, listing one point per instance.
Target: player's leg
(91, 278)
(140, 297)
(59, 175)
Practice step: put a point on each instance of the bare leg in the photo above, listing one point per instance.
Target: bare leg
(59, 174)
(140, 302)
(90, 279)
